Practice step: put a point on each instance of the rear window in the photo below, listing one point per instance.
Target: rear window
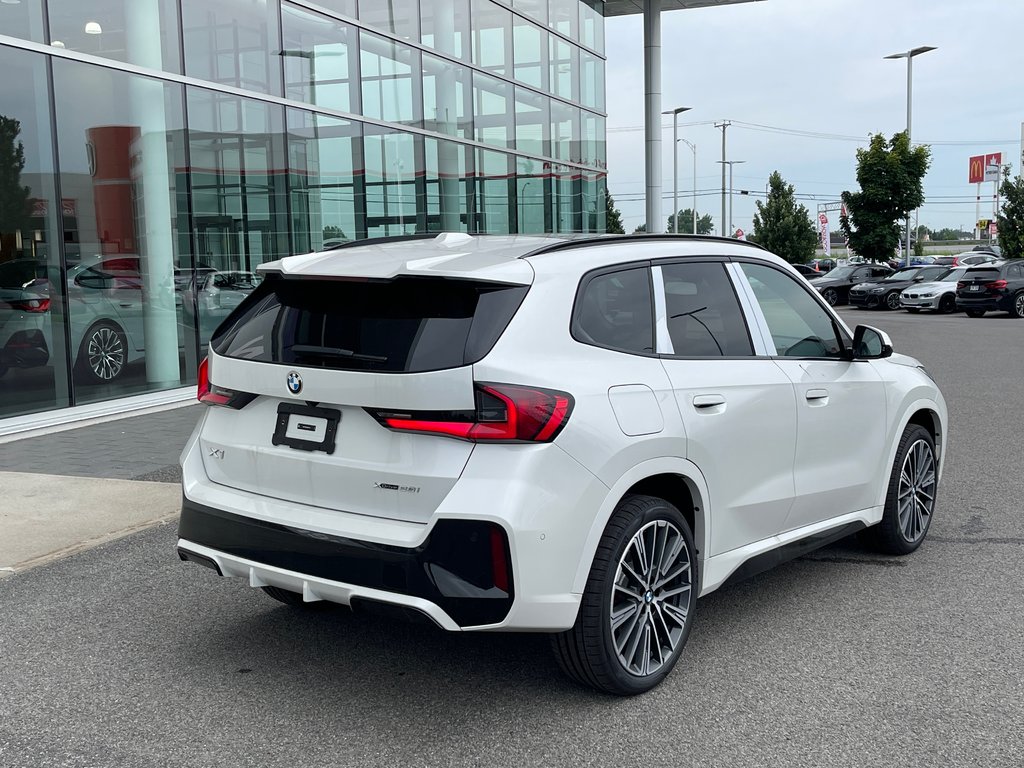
(406, 325)
(982, 273)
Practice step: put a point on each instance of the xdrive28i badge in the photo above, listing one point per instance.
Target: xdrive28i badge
(294, 383)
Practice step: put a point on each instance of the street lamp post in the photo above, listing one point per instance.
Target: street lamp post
(675, 165)
(909, 56)
(693, 147)
(730, 163)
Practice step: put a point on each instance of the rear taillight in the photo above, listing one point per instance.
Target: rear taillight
(32, 305)
(504, 413)
(209, 393)
(961, 284)
(997, 285)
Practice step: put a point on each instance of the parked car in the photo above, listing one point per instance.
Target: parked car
(938, 295)
(995, 250)
(577, 436)
(968, 259)
(24, 301)
(835, 286)
(807, 271)
(992, 288)
(823, 265)
(885, 293)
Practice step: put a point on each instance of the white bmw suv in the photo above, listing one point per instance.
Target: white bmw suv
(573, 435)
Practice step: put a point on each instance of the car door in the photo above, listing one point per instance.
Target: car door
(737, 406)
(841, 404)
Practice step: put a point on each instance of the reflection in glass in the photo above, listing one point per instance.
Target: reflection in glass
(23, 19)
(591, 81)
(532, 123)
(121, 142)
(530, 48)
(565, 61)
(493, 115)
(447, 185)
(233, 42)
(397, 17)
(142, 32)
(567, 200)
(532, 185)
(327, 195)
(445, 26)
(565, 131)
(389, 75)
(392, 175)
(33, 368)
(447, 105)
(592, 24)
(239, 204)
(593, 198)
(492, 37)
(565, 17)
(319, 59)
(493, 199)
(592, 149)
(538, 9)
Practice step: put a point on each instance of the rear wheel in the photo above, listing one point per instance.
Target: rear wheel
(892, 300)
(1018, 305)
(639, 602)
(975, 312)
(910, 501)
(947, 304)
(103, 353)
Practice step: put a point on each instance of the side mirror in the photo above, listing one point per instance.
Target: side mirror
(918, 279)
(870, 343)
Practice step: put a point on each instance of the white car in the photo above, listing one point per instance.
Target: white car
(577, 436)
(936, 295)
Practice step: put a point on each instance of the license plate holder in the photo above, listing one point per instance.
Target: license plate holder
(974, 288)
(296, 421)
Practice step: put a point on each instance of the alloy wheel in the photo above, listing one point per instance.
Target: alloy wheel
(1018, 305)
(651, 598)
(892, 301)
(916, 498)
(106, 354)
(831, 296)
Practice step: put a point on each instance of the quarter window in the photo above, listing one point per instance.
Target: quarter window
(799, 325)
(703, 313)
(614, 310)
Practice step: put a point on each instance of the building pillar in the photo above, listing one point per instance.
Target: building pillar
(652, 113)
(448, 172)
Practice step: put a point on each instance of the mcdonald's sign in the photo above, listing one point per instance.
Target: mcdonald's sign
(977, 172)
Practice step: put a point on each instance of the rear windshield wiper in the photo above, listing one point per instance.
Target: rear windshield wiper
(314, 350)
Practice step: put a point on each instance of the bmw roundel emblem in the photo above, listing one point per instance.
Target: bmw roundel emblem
(294, 383)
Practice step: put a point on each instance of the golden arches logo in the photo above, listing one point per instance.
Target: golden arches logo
(977, 171)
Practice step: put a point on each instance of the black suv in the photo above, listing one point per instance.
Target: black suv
(992, 287)
(835, 286)
(886, 292)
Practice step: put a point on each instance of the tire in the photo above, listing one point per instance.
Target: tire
(910, 500)
(975, 312)
(913, 310)
(1017, 310)
(831, 296)
(947, 304)
(103, 354)
(620, 585)
(892, 300)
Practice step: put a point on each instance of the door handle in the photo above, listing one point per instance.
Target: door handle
(125, 304)
(708, 401)
(816, 394)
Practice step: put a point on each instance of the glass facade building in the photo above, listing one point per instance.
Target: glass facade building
(154, 152)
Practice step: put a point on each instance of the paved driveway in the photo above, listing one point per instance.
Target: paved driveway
(122, 656)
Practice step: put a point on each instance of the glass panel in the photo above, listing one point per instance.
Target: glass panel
(143, 32)
(445, 26)
(565, 17)
(33, 356)
(532, 123)
(567, 200)
(615, 311)
(391, 179)
(592, 148)
(565, 63)
(565, 131)
(447, 186)
(531, 183)
(493, 116)
(398, 17)
(239, 203)
(493, 200)
(492, 37)
(234, 42)
(344, 7)
(327, 198)
(799, 325)
(122, 155)
(447, 105)
(390, 88)
(24, 20)
(704, 316)
(594, 210)
(591, 80)
(530, 53)
(538, 9)
(592, 24)
(319, 59)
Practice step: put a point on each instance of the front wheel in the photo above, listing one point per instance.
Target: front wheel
(1018, 305)
(910, 501)
(831, 296)
(639, 602)
(103, 354)
(947, 304)
(892, 301)
(975, 312)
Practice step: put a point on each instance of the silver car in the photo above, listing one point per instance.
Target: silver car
(936, 295)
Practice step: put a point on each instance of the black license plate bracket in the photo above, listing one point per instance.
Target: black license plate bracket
(294, 419)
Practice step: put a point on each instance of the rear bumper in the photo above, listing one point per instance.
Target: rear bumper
(1001, 304)
(449, 577)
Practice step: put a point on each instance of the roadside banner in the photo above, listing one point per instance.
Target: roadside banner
(993, 162)
(826, 241)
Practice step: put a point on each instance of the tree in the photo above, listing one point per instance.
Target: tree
(705, 224)
(1010, 219)
(783, 226)
(640, 228)
(14, 198)
(332, 232)
(890, 175)
(613, 217)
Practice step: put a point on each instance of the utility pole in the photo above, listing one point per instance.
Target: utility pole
(723, 125)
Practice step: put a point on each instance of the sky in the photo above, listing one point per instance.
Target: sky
(817, 66)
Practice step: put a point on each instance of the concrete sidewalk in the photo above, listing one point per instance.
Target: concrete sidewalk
(73, 489)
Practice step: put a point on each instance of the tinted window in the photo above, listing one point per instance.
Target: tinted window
(1013, 272)
(799, 325)
(704, 316)
(614, 310)
(403, 325)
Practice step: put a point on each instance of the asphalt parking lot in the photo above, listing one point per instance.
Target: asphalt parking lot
(123, 656)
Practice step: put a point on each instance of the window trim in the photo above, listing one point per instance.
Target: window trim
(585, 281)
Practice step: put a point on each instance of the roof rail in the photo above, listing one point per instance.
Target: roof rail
(579, 242)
